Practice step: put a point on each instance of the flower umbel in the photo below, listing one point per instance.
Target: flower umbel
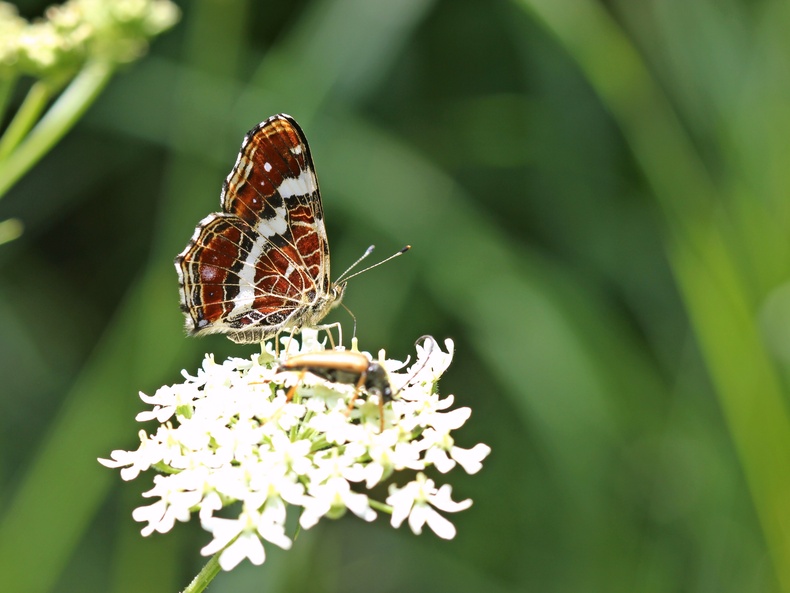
(242, 432)
(68, 34)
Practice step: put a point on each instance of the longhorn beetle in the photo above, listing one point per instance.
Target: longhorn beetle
(348, 368)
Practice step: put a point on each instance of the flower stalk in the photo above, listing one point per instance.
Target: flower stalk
(26, 116)
(205, 576)
(18, 155)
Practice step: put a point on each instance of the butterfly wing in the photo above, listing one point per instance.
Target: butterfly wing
(261, 265)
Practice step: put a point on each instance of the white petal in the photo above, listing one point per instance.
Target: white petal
(146, 415)
(418, 516)
(373, 474)
(274, 511)
(359, 505)
(440, 459)
(471, 459)
(223, 530)
(152, 513)
(246, 546)
(211, 502)
(275, 534)
(355, 473)
(439, 525)
(401, 504)
(448, 421)
(120, 458)
(314, 509)
(441, 500)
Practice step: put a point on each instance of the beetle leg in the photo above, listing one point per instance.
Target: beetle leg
(292, 390)
(357, 389)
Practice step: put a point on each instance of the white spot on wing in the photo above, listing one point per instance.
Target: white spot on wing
(302, 185)
(269, 227)
(244, 300)
(267, 167)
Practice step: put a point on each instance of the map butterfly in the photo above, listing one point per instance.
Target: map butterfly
(262, 264)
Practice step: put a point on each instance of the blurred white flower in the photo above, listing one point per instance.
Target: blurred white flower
(70, 33)
(230, 434)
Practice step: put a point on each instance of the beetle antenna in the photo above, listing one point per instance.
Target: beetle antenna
(368, 251)
(430, 343)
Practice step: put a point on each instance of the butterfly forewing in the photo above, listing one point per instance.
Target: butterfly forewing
(261, 265)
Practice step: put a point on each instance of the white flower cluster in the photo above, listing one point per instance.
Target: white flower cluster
(115, 30)
(232, 435)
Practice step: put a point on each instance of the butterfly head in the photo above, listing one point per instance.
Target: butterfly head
(323, 303)
(336, 293)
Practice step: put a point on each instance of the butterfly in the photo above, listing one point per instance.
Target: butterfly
(261, 265)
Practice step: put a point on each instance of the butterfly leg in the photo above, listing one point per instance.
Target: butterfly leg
(327, 328)
(339, 334)
(277, 345)
(290, 340)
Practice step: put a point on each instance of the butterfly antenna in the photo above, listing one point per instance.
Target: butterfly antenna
(368, 251)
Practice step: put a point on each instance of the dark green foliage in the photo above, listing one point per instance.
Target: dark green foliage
(597, 198)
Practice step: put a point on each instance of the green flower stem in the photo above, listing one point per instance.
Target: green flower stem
(163, 468)
(205, 576)
(63, 114)
(27, 116)
(6, 86)
(380, 506)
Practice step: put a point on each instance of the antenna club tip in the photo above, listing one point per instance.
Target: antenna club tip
(405, 249)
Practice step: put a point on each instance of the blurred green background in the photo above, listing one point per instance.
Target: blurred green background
(597, 197)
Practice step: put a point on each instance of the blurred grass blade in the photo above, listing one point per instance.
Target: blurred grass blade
(10, 229)
(340, 46)
(560, 364)
(703, 252)
(64, 484)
